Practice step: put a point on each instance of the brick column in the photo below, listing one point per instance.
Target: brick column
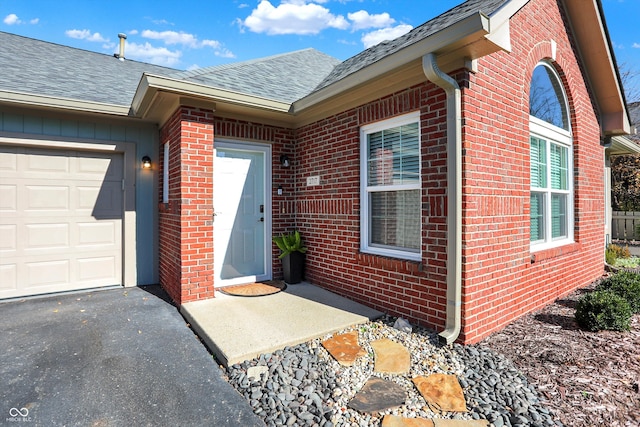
(186, 221)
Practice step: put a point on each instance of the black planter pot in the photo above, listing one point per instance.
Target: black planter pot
(293, 267)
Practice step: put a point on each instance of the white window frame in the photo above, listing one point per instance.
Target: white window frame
(365, 189)
(554, 135)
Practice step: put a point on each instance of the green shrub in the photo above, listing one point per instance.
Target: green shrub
(601, 309)
(610, 256)
(625, 284)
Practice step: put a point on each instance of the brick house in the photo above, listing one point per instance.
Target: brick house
(454, 176)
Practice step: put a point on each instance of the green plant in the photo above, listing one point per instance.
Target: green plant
(602, 309)
(633, 262)
(625, 284)
(610, 256)
(289, 243)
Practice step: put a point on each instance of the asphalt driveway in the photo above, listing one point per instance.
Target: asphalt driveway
(110, 358)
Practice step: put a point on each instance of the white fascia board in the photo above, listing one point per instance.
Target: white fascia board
(43, 101)
(476, 23)
(500, 32)
(149, 85)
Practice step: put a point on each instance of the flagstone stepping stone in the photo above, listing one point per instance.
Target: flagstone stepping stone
(344, 348)
(461, 423)
(378, 395)
(391, 357)
(442, 392)
(395, 421)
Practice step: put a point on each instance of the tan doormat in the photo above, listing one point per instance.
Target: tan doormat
(255, 289)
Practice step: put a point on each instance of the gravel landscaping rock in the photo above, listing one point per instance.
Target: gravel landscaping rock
(305, 386)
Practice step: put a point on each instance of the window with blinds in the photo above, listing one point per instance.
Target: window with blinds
(391, 189)
(551, 222)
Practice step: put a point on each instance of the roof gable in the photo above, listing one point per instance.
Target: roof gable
(287, 77)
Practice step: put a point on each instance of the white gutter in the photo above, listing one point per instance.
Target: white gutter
(46, 101)
(150, 85)
(454, 196)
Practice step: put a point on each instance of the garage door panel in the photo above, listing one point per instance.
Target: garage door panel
(8, 239)
(47, 198)
(38, 161)
(8, 277)
(101, 202)
(97, 233)
(8, 198)
(47, 236)
(48, 273)
(9, 159)
(98, 268)
(60, 220)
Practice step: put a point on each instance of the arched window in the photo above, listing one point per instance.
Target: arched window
(551, 160)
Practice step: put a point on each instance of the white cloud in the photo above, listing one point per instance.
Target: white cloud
(133, 32)
(12, 19)
(172, 37)
(34, 21)
(85, 35)
(155, 55)
(292, 17)
(375, 37)
(362, 20)
(187, 40)
(636, 45)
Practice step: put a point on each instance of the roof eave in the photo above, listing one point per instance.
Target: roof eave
(592, 38)
(59, 103)
(151, 85)
(474, 27)
(621, 145)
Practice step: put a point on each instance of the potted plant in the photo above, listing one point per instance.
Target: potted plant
(292, 256)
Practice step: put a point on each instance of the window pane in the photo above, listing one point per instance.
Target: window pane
(559, 167)
(546, 100)
(538, 162)
(537, 216)
(558, 215)
(393, 156)
(395, 219)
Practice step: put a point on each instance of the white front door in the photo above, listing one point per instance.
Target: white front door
(242, 205)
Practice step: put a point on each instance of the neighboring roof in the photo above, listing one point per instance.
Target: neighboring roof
(64, 72)
(634, 113)
(286, 77)
(384, 49)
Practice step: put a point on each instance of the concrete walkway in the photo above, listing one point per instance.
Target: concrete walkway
(240, 328)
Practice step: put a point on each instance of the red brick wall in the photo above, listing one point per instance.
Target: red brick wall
(186, 226)
(328, 215)
(502, 279)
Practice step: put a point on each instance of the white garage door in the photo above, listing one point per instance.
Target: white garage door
(60, 220)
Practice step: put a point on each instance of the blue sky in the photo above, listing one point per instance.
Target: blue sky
(186, 35)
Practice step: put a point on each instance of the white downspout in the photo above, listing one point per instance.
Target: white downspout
(454, 199)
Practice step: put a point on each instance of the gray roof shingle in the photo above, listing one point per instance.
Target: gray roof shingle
(384, 49)
(287, 77)
(42, 68)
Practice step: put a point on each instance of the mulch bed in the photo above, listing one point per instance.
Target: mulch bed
(588, 378)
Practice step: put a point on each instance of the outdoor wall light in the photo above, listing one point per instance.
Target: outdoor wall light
(284, 160)
(146, 162)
